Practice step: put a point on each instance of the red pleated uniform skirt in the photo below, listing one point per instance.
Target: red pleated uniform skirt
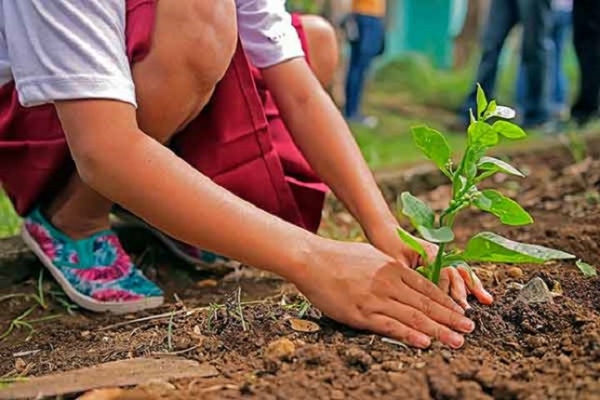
(239, 140)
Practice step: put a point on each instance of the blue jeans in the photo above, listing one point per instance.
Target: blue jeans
(364, 49)
(535, 16)
(557, 80)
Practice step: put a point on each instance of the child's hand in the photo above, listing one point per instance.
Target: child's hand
(457, 282)
(356, 284)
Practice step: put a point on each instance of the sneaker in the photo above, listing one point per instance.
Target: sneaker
(94, 272)
(202, 259)
(367, 121)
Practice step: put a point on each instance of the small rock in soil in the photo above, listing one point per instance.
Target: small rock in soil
(20, 365)
(486, 377)
(358, 358)
(446, 355)
(337, 395)
(420, 365)
(515, 272)
(536, 341)
(535, 291)
(280, 350)
(392, 366)
(564, 361)
(300, 325)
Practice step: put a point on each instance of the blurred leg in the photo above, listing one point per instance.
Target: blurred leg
(536, 17)
(560, 33)
(363, 52)
(502, 18)
(586, 38)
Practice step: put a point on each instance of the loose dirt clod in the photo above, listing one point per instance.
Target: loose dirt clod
(280, 350)
(358, 358)
(20, 365)
(301, 325)
(515, 272)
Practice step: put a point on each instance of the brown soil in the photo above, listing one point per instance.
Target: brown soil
(543, 351)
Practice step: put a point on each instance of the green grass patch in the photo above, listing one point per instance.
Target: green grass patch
(9, 221)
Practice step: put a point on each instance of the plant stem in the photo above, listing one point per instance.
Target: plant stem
(437, 264)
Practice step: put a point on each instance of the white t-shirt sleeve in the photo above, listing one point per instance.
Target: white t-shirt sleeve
(267, 33)
(68, 49)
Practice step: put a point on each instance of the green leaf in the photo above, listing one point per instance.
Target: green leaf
(482, 102)
(412, 242)
(417, 211)
(491, 109)
(509, 130)
(492, 164)
(482, 134)
(434, 145)
(508, 210)
(436, 235)
(489, 247)
(588, 270)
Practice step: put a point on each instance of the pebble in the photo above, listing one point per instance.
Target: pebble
(446, 355)
(535, 291)
(536, 341)
(392, 366)
(564, 361)
(420, 365)
(337, 395)
(358, 358)
(515, 272)
(20, 365)
(282, 350)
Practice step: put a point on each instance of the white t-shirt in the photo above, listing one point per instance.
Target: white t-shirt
(70, 49)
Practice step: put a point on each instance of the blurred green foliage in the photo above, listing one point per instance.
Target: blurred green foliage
(307, 6)
(9, 221)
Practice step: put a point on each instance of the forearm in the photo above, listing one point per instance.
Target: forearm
(326, 141)
(148, 179)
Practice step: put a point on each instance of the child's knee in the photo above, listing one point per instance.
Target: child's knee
(212, 33)
(322, 47)
(192, 48)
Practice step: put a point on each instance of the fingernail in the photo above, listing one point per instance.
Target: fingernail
(423, 343)
(467, 326)
(457, 341)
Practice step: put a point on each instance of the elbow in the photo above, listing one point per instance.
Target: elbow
(90, 163)
(96, 160)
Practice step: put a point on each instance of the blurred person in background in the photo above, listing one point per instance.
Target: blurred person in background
(504, 15)
(365, 30)
(558, 85)
(586, 38)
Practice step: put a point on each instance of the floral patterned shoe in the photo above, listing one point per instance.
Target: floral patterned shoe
(95, 272)
(201, 258)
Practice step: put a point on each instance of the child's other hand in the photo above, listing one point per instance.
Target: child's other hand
(459, 282)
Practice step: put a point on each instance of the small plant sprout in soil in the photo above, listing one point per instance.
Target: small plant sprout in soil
(488, 126)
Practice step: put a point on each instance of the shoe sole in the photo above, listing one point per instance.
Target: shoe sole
(128, 221)
(84, 301)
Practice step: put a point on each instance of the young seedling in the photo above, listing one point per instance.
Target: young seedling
(473, 168)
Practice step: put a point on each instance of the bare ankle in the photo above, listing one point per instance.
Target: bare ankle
(77, 227)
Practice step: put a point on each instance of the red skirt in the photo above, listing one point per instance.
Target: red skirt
(239, 140)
